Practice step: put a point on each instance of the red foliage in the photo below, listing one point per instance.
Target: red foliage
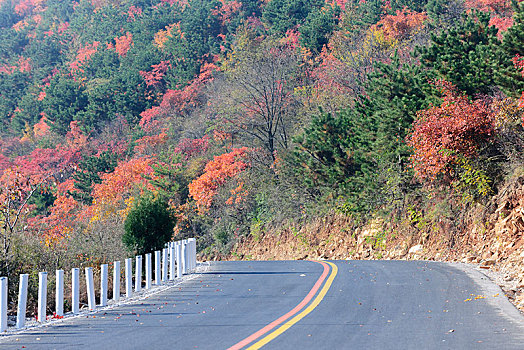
(43, 161)
(150, 142)
(501, 23)
(291, 39)
(216, 173)
(155, 76)
(227, 10)
(457, 127)
(133, 12)
(62, 28)
(177, 102)
(518, 62)
(191, 147)
(495, 6)
(24, 64)
(181, 3)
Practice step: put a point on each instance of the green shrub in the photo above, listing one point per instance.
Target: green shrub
(148, 226)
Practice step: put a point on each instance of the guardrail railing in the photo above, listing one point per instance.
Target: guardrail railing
(175, 260)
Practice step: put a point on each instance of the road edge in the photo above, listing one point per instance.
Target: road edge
(489, 287)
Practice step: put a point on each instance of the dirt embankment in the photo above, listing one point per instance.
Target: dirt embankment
(493, 240)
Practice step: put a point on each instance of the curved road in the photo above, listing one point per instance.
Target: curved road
(303, 305)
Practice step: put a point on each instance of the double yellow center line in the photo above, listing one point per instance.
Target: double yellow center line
(284, 321)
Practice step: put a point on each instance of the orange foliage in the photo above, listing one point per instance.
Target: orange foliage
(41, 128)
(496, 6)
(123, 44)
(238, 194)
(62, 214)
(82, 57)
(127, 176)
(216, 173)
(401, 25)
(162, 36)
(76, 139)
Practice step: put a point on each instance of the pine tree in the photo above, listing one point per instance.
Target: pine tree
(508, 77)
(88, 174)
(465, 54)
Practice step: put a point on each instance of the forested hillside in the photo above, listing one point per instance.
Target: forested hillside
(242, 117)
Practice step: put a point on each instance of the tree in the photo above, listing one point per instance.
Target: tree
(509, 78)
(464, 55)
(318, 27)
(65, 98)
(283, 15)
(148, 226)
(88, 174)
(16, 191)
(256, 97)
(332, 154)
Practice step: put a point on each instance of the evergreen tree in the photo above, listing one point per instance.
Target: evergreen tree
(465, 54)
(88, 174)
(64, 100)
(318, 27)
(283, 15)
(148, 226)
(508, 77)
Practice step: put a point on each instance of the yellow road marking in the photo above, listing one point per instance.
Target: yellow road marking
(311, 307)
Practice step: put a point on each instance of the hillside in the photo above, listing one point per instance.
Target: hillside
(250, 119)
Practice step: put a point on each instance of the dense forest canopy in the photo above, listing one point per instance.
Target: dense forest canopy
(240, 115)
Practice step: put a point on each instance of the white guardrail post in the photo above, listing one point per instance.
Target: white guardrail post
(138, 273)
(193, 253)
(90, 285)
(171, 262)
(164, 264)
(116, 280)
(103, 284)
(148, 271)
(22, 301)
(75, 290)
(178, 247)
(42, 296)
(129, 277)
(59, 293)
(158, 264)
(184, 257)
(3, 304)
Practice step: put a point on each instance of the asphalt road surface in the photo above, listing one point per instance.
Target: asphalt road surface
(303, 305)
